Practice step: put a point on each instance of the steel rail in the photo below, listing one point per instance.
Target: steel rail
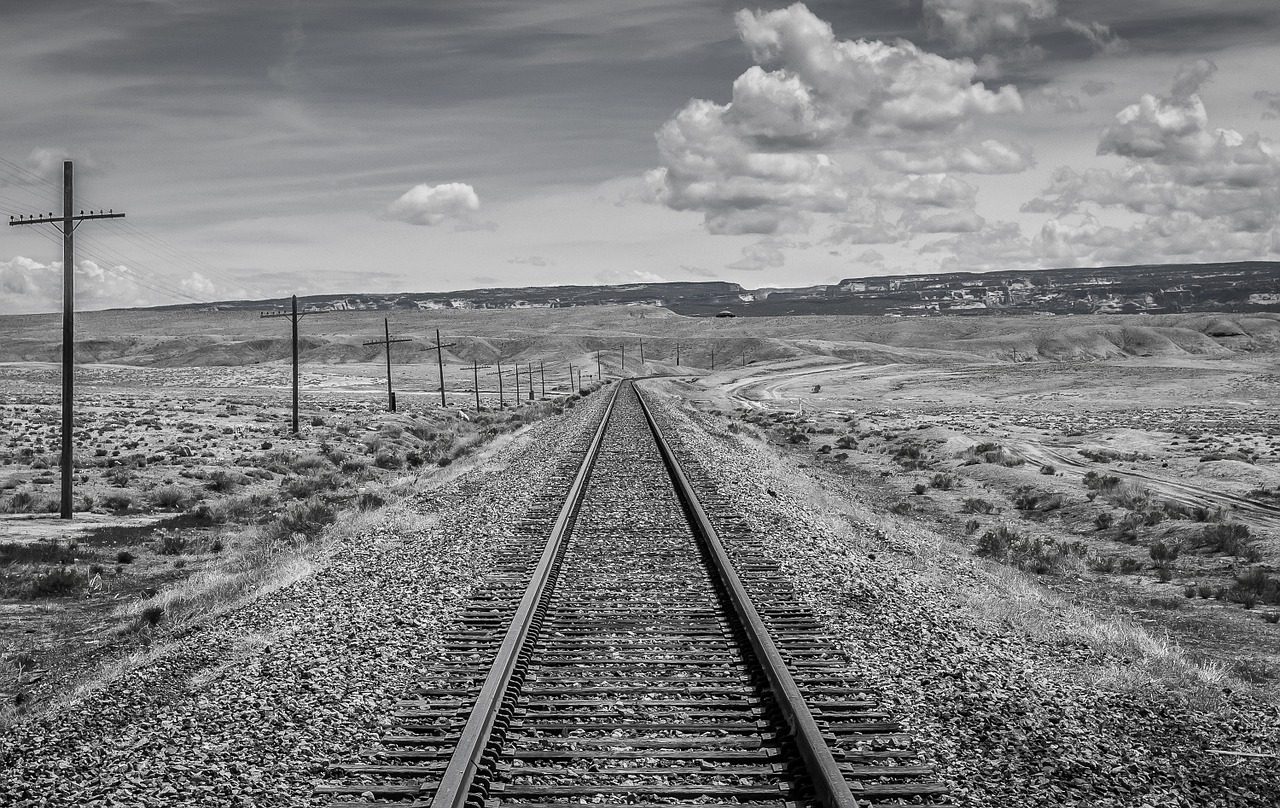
(828, 782)
(456, 782)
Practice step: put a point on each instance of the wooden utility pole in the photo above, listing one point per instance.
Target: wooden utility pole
(570, 379)
(387, 340)
(642, 353)
(502, 401)
(440, 362)
(622, 368)
(678, 347)
(516, 366)
(542, 378)
(69, 222)
(713, 356)
(599, 372)
(475, 381)
(293, 314)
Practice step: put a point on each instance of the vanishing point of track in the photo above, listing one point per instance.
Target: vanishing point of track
(623, 653)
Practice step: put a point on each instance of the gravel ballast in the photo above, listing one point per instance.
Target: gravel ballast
(251, 708)
(1016, 696)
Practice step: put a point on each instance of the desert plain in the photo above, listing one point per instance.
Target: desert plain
(1123, 465)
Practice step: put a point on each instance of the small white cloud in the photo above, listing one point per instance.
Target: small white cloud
(870, 257)
(432, 204)
(1103, 39)
(622, 277)
(760, 255)
(987, 157)
(979, 25)
(531, 260)
(47, 162)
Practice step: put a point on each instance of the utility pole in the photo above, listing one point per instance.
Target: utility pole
(678, 347)
(599, 373)
(475, 377)
(530, 381)
(622, 369)
(502, 400)
(69, 224)
(293, 315)
(516, 366)
(440, 362)
(387, 340)
(642, 352)
(570, 379)
(713, 356)
(744, 358)
(542, 378)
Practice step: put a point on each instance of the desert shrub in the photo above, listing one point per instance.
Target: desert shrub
(223, 481)
(1204, 591)
(388, 460)
(168, 496)
(124, 557)
(307, 485)
(117, 502)
(1160, 552)
(977, 505)
(972, 526)
(823, 449)
(61, 581)
(241, 509)
(1104, 564)
(1103, 520)
(368, 501)
(1048, 470)
(1152, 518)
(1129, 565)
(1200, 513)
(1261, 584)
(943, 482)
(900, 508)
(316, 420)
(1189, 591)
(1163, 574)
(1035, 555)
(1175, 510)
(1230, 538)
(1025, 499)
(1128, 495)
(39, 552)
(1272, 617)
(444, 460)
(1100, 482)
(920, 488)
(1244, 597)
(354, 465)
(846, 442)
(170, 542)
(307, 517)
(119, 476)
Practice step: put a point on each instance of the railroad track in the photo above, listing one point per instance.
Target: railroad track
(635, 657)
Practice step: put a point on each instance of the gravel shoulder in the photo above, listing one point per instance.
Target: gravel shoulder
(251, 708)
(1018, 695)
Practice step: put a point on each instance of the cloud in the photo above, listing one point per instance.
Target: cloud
(975, 26)
(696, 271)
(432, 204)
(1055, 100)
(870, 257)
(999, 245)
(928, 190)
(28, 286)
(1097, 86)
(986, 157)
(531, 260)
(1272, 101)
(47, 161)
(485, 279)
(1199, 188)
(955, 221)
(760, 255)
(622, 277)
(759, 164)
(1100, 36)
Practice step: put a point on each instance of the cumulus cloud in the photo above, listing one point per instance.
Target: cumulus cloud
(432, 204)
(928, 190)
(1100, 36)
(760, 255)
(1202, 190)
(998, 245)
(979, 25)
(986, 157)
(29, 286)
(762, 164)
(1097, 86)
(531, 260)
(1056, 100)
(952, 221)
(47, 161)
(1271, 100)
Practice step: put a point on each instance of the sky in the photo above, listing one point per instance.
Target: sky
(266, 148)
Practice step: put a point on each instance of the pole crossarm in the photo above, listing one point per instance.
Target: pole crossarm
(387, 341)
(63, 220)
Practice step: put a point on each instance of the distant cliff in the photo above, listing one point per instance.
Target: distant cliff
(1164, 288)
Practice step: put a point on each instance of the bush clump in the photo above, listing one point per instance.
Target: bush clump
(61, 581)
(1230, 538)
(1039, 556)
